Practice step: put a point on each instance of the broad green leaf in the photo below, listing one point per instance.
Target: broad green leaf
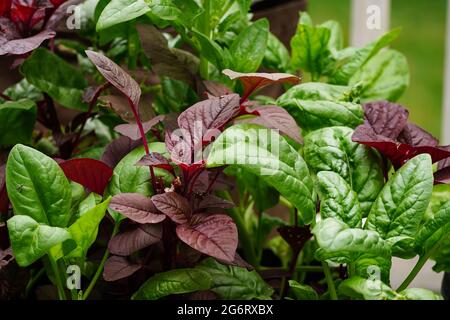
(401, 204)
(355, 59)
(173, 282)
(129, 178)
(190, 11)
(23, 90)
(384, 77)
(118, 11)
(374, 267)
(303, 291)
(318, 105)
(248, 49)
(211, 50)
(435, 231)
(336, 41)
(276, 56)
(439, 196)
(310, 50)
(332, 149)
(281, 248)
(442, 258)
(164, 10)
(31, 240)
(337, 199)
(37, 187)
(343, 244)
(232, 283)
(84, 230)
(88, 203)
(267, 154)
(365, 289)
(17, 120)
(420, 294)
(56, 77)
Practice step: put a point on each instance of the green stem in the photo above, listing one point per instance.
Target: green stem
(413, 272)
(101, 266)
(329, 278)
(205, 29)
(33, 281)
(56, 274)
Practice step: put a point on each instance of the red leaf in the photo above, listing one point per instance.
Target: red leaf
(296, 237)
(5, 6)
(442, 176)
(216, 89)
(398, 153)
(175, 206)
(21, 46)
(116, 76)
(238, 262)
(386, 118)
(277, 118)
(117, 149)
(215, 235)
(90, 173)
(140, 237)
(136, 207)
(155, 160)
(255, 81)
(131, 130)
(212, 201)
(117, 268)
(416, 136)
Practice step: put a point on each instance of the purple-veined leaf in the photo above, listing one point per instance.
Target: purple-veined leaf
(237, 262)
(90, 173)
(131, 130)
(255, 81)
(216, 89)
(416, 136)
(215, 235)
(116, 76)
(442, 176)
(446, 162)
(155, 160)
(139, 237)
(117, 149)
(386, 118)
(175, 206)
(212, 201)
(398, 153)
(21, 46)
(117, 268)
(61, 13)
(274, 117)
(136, 207)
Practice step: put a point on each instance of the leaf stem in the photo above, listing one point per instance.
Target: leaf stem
(59, 284)
(101, 265)
(329, 279)
(33, 281)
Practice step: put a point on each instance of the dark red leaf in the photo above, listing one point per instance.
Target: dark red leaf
(238, 262)
(215, 235)
(212, 201)
(296, 237)
(117, 149)
(21, 46)
(416, 136)
(116, 76)
(274, 117)
(131, 130)
(155, 160)
(442, 176)
(5, 6)
(8, 30)
(136, 207)
(61, 12)
(90, 173)
(446, 162)
(130, 241)
(398, 153)
(117, 268)
(216, 89)
(255, 81)
(175, 206)
(386, 118)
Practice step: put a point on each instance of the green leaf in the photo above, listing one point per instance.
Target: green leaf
(211, 50)
(420, 294)
(310, 50)
(190, 9)
(384, 77)
(118, 11)
(31, 240)
(354, 59)
(37, 187)
(17, 120)
(336, 41)
(332, 149)
(303, 291)
(442, 258)
(337, 199)
(267, 154)
(401, 204)
(56, 77)
(439, 196)
(317, 105)
(23, 90)
(276, 56)
(84, 230)
(372, 266)
(164, 10)
(232, 283)
(249, 48)
(343, 244)
(88, 203)
(364, 289)
(173, 282)
(129, 178)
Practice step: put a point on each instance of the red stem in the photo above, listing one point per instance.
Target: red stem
(5, 97)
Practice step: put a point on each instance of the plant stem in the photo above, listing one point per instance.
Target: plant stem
(33, 281)
(101, 265)
(413, 272)
(329, 278)
(59, 284)
(205, 29)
